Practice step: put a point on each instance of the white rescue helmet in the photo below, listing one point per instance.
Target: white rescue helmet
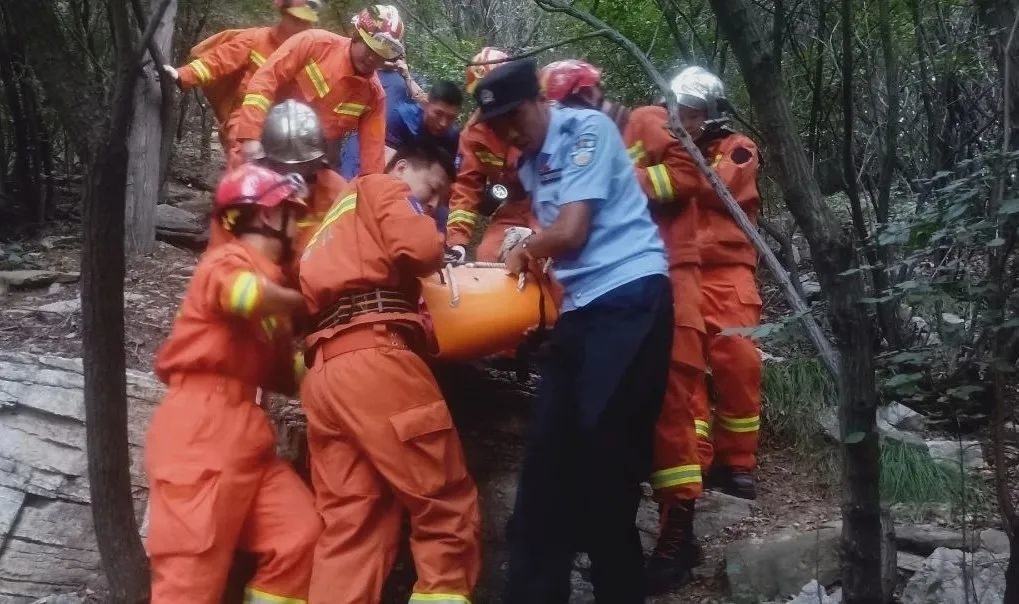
(293, 134)
(698, 88)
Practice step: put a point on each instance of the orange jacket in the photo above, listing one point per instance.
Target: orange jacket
(482, 157)
(661, 164)
(375, 237)
(314, 67)
(721, 240)
(326, 190)
(224, 62)
(220, 329)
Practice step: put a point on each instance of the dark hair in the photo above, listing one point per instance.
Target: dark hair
(423, 153)
(446, 91)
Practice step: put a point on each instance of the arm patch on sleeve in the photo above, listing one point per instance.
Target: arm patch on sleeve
(584, 149)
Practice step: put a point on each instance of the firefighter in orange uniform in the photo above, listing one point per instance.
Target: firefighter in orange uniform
(215, 482)
(662, 168)
(336, 77)
(381, 437)
(575, 83)
(486, 175)
(729, 297)
(223, 63)
(293, 142)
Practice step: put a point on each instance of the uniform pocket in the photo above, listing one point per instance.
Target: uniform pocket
(434, 458)
(182, 509)
(746, 292)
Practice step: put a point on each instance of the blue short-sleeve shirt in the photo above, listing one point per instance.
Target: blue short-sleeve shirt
(583, 159)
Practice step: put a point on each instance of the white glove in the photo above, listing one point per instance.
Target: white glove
(456, 254)
(514, 237)
(171, 71)
(252, 150)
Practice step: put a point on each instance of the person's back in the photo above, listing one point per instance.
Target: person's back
(380, 435)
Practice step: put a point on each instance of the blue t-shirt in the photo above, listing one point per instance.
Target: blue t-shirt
(583, 158)
(404, 120)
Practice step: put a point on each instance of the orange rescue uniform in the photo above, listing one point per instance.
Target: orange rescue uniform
(482, 158)
(380, 434)
(215, 482)
(222, 65)
(661, 164)
(314, 67)
(729, 299)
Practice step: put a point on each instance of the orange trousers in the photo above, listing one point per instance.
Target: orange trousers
(677, 469)
(216, 486)
(382, 441)
(729, 299)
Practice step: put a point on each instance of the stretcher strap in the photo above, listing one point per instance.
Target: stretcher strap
(355, 305)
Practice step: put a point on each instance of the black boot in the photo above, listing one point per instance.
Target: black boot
(676, 552)
(741, 484)
(738, 483)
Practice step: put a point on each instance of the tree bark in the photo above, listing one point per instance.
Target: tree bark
(843, 284)
(145, 145)
(102, 296)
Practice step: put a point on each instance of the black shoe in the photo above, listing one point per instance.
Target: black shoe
(741, 484)
(737, 483)
(676, 552)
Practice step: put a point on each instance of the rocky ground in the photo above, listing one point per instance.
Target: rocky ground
(766, 550)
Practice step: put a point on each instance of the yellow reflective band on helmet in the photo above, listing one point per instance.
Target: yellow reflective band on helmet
(244, 295)
(351, 109)
(490, 159)
(257, 59)
(253, 596)
(740, 424)
(675, 476)
(636, 152)
(257, 100)
(660, 183)
(300, 368)
(339, 208)
(203, 73)
(462, 216)
(269, 325)
(440, 598)
(702, 428)
(318, 80)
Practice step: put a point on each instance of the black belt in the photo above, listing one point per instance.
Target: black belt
(354, 305)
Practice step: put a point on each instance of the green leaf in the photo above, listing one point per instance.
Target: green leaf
(952, 318)
(996, 242)
(903, 382)
(963, 393)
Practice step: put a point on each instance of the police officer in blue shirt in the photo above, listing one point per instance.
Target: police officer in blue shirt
(604, 376)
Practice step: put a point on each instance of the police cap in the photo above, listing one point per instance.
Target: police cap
(506, 87)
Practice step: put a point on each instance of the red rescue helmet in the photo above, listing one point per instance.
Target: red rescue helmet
(306, 10)
(381, 28)
(250, 185)
(562, 79)
(476, 72)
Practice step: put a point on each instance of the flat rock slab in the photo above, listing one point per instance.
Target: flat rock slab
(968, 453)
(63, 307)
(951, 576)
(923, 539)
(36, 279)
(47, 544)
(759, 570)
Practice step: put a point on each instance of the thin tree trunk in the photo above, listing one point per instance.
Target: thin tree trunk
(835, 257)
(146, 150)
(102, 297)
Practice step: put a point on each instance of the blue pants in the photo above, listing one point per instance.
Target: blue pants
(590, 446)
